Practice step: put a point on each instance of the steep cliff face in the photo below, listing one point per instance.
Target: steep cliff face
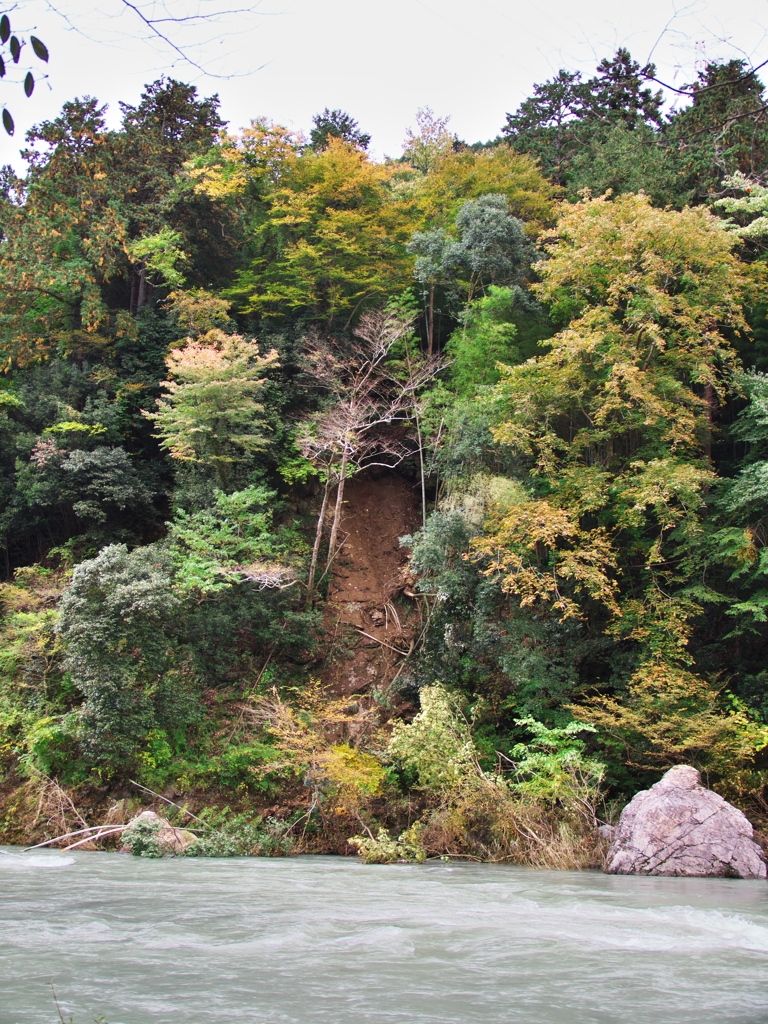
(371, 615)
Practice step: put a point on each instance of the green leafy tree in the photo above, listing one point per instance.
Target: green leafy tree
(436, 265)
(235, 540)
(118, 628)
(437, 746)
(624, 159)
(64, 245)
(245, 169)
(170, 226)
(566, 116)
(492, 244)
(210, 415)
(501, 327)
(670, 716)
(554, 768)
(430, 143)
(331, 242)
(614, 421)
(489, 247)
(474, 639)
(101, 224)
(619, 93)
(170, 117)
(545, 125)
(98, 494)
(738, 541)
(747, 210)
(723, 130)
(463, 174)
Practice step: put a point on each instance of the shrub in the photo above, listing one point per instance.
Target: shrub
(118, 624)
(241, 835)
(670, 716)
(383, 849)
(437, 745)
(142, 839)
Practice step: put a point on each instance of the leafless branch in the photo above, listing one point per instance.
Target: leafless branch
(693, 90)
(152, 26)
(154, 15)
(375, 405)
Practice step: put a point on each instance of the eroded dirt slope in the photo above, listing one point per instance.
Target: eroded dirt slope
(369, 613)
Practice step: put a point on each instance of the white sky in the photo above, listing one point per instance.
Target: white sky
(377, 61)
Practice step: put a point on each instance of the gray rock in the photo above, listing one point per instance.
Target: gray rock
(678, 827)
(169, 838)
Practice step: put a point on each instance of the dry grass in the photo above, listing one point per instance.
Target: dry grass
(492, 825)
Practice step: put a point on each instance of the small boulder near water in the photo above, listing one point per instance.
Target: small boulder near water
(679, 827)
(157, 834)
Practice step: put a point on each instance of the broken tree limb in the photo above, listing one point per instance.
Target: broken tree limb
(167, 801)
(382, 642)
(111, 831)
(69, 835)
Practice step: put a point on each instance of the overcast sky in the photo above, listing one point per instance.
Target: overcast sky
(288, 59)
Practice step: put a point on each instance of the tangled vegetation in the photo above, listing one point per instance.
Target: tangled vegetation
(557, 339)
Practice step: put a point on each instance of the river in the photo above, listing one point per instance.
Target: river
(325, 940)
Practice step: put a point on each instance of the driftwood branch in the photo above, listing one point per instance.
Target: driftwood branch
(111, 831)
(70, 835)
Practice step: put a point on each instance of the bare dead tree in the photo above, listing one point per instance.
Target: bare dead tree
(371, 422)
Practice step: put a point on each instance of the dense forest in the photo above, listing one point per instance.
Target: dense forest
(418, 502)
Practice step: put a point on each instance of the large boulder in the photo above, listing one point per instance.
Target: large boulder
(678, 827)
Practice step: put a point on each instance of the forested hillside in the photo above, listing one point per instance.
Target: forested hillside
(418, 502)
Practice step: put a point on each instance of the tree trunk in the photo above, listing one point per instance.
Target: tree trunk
(421, 467)
(710, 397)
(134, 293)
(318, 541)
(337, 507)
(431, 325)
(142, 297)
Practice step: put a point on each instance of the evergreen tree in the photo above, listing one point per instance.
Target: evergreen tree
(566, 115)
(617, 94)
(336, 124)
(724, 130)
(546, 125)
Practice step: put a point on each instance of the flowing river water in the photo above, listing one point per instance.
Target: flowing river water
(324, 940)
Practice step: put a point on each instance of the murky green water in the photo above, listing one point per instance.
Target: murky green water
(321, 940)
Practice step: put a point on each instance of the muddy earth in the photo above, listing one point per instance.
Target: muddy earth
(372, 614)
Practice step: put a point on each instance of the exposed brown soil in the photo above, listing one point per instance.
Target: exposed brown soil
(370, 614)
